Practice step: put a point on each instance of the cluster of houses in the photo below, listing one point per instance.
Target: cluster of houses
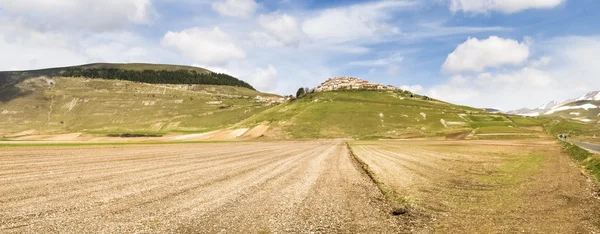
(349, 83)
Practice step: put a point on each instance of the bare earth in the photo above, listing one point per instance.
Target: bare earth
(197, 188)
(296, 187)
(487, 186)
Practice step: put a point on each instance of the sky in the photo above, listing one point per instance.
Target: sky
(505, 54)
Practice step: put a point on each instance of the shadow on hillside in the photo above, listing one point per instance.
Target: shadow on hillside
(11, 92)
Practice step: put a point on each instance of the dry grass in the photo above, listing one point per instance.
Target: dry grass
(487, 186)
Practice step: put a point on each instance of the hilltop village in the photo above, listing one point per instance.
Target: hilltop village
(348, 83)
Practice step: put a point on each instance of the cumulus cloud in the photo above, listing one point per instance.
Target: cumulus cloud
(475, 55)
(412, 88)
(31, 48)
(525, 77)
(504, 6)
(89, 14)
(204, 46)
(354, 22)
(264, 79)
(282, 26)
(235, 8)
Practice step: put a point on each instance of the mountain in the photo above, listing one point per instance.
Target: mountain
(46, 102)
(585, 108)
(492, 110)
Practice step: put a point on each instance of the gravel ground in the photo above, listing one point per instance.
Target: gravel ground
(283, 187)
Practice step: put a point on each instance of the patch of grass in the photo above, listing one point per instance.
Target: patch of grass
(134, 135)
(589, 160)
(514, 169)
(576, 152)
(67, 144)
(593, 165)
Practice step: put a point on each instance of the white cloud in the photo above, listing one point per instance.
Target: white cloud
(284, 27)
(412, 88)
(33, 49)
(504, 6)
(354, 22)
(525, 77)
(204, 46)
(264, 79)
(543, 61)
(459, 94)
(506, 91)
(393, 59)
(89, 14)
(475, 55)
(565, 68)
(235, 8)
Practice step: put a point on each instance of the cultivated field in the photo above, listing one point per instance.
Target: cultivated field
(296, 187)
(486, 186)
(207, 188)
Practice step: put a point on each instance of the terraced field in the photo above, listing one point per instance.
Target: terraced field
(486, 186)
(208, 188)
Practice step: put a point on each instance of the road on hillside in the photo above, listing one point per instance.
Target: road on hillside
(284, 187)
(588, 146)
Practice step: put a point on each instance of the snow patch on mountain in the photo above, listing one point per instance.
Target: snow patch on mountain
(563, 108)
(591, 96)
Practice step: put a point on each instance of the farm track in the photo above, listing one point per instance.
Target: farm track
(487, 186)
(312, 186)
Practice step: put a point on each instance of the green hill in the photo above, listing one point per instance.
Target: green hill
(138, 72)
(388, 114)
(63, 105)
(46, 102)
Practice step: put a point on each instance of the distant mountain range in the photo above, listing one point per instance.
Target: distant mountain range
(585, 108)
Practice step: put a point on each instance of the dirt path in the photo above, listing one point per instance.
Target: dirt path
(298, 187)
(487, 186)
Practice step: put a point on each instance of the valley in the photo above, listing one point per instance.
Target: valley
(206, 153)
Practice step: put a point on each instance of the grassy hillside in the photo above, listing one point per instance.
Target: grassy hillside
(370, 114)
(140, 72)
(111, 106)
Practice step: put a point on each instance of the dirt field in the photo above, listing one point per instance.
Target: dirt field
(296, 187)
(487, 186)
(196, 188)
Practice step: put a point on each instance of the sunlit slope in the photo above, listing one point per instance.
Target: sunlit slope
(371, 114)
(62, 105)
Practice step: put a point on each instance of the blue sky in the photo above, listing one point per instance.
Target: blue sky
(485, 53)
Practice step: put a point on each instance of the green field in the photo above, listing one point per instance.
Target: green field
(63, 105)
(371, 114)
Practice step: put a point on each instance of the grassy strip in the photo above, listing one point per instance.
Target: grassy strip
(589, 160)
(388, 192)
(6, 145)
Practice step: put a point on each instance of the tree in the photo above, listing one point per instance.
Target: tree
(158, 77)
(301, 92)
